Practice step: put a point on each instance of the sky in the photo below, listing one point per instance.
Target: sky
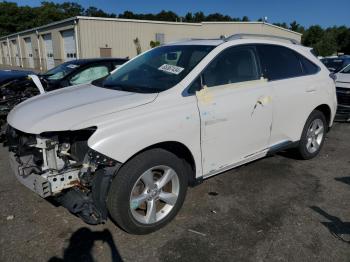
(306, 12)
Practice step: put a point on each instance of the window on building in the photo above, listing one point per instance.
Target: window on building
(160, 38)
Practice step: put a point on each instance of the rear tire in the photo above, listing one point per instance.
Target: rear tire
(148, 191)
(313, 135)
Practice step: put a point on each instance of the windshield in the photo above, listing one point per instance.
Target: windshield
(60, 71)
(157, 70)
(334, 64)
(346, 70)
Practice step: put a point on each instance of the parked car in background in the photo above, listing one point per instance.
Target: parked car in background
(130, 145)
(17, 87)
(343, 94)
(335, 64)
(7, 76)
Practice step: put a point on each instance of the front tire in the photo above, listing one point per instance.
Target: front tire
(148, 191)
(313, 135)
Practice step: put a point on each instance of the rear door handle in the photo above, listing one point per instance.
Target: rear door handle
(310, 89)
(264, 100)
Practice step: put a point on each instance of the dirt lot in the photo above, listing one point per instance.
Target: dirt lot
(275, 209)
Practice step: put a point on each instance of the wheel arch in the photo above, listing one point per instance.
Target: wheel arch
(181, 151)
(326, 111)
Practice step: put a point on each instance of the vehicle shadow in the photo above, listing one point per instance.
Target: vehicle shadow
(345, 180)
(336, 226)
(81, 244)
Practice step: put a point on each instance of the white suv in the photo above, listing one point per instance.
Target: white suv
(129, 145)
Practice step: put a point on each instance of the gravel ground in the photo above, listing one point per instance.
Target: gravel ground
(275, 209)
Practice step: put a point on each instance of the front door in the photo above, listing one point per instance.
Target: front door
(235, 109)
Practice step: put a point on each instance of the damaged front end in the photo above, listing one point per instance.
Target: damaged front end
(61, 165)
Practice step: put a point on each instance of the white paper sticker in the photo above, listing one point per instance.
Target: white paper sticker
(171, 69)
(72, 66)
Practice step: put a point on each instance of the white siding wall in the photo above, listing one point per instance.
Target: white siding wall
(119, 34)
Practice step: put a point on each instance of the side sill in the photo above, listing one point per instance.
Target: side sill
(281, 147)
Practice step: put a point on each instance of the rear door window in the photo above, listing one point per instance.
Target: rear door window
(279, 62)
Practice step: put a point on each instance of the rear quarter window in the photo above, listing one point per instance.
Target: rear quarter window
(309, 68)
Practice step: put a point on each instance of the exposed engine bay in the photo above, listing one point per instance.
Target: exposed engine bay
(13, 93)
(60, 165)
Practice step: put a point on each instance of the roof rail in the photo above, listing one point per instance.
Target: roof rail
(243, 36)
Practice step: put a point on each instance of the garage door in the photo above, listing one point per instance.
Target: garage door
(2, 58)
(15, 51)
(6, 53)
(69, 45)
(50, 62)
(29, 52)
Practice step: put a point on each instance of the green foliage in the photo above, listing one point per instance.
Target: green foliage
(14, 18)
(137, 46)
(153, 44)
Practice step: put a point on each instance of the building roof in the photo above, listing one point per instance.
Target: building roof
(136, 21)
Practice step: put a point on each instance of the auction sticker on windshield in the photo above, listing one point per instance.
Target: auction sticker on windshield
(171, 69)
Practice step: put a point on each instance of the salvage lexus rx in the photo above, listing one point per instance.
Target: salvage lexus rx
(129, 146)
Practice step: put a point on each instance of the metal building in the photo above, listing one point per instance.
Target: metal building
(86, 37)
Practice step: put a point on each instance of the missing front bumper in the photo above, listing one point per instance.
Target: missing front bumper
(47, 184)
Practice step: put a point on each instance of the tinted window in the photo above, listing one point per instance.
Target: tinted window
(346, 70)
(279, 62)
(157, 70)
(309, 68)
(237, 64)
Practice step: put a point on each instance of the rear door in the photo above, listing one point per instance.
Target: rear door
(293, 90)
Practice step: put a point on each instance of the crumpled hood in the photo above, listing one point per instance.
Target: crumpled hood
(62, 109)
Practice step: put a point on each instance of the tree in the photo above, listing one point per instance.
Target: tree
(93, 11)
(189, 17)
(313, 35)
(154, 44)
(14, 18)
(137, 46)
(199, 17)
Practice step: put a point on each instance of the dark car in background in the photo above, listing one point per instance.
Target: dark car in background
(343, 94)
(16, 86)
(335, 64)
(7, 76)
